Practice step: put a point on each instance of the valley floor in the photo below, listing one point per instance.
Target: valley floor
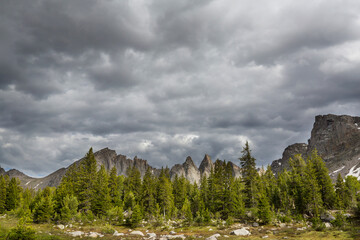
(104, 231)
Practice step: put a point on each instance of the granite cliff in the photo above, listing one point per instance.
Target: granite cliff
(337, 140)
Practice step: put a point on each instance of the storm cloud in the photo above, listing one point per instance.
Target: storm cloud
(163, 80)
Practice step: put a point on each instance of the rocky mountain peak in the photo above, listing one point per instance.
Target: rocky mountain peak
(189, 162)
(206, 165)
(337, 140)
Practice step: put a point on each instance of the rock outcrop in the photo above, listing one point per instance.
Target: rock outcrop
(337, 140)
(188, 169)
(205, 166)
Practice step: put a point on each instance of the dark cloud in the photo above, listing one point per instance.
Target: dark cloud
(165, 80)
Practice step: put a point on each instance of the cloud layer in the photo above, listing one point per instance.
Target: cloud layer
(165, 80)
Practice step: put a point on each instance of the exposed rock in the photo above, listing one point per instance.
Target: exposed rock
(327, 217)
(182, 236)
(151, 235)
(337, 140)
(240, 232)
(255, 224)
(76, 233)
(328, 225)
(205, 166)
(117, 234)
(137, 233)
(213, 237)
(187, 169)
(301, 229)
(172, 232)
(60, 226)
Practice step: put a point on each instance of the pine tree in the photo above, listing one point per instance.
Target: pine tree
(101, 200)
(2, 194)
(186, 211)
(237, 206)
(13, 194)
(340, 192)
(323, 179)
(69, 208)
(44, 208)
(165, 196)
(250, 176)
(85, 185)
(264, 210)
(148, 193)
(115, 190)
(136, 216)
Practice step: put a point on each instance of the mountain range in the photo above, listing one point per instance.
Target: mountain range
(336, 138)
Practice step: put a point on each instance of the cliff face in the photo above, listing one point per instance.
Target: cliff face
(337, 140)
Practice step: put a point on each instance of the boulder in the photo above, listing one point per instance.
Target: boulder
(60, 226)
(116, 234)
(327, 217)
(76, 233)
(255, 224)
(213, 237)
(151, 235)
(240, 232)
(137, 233)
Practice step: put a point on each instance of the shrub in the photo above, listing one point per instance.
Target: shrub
(21, 232)
(340, 220)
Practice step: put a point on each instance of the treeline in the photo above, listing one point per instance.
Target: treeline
(85, 194)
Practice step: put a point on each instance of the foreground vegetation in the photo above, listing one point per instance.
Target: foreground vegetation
(100, 201)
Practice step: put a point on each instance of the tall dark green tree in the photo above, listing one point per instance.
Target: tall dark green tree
(340, 192)
(101, 200)
(323, 179)
(2, 194)
(165, 196)
(250, 177)
(13, 194)
(115, 188)
(85, 186)
(149, 194)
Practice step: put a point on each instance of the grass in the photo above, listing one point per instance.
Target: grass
(51, 232)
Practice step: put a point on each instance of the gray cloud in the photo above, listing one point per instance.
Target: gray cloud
(166, 80)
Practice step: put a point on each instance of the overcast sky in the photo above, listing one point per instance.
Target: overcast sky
(166, 79)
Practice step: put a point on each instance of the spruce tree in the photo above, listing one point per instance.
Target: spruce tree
(2, 194)
(136, 216)
(250, 176)
(85, 185)
(323, 179)
(13, 194)
(148, 194)
(340, 192)
(101, 200)
(115, 189)
(186, 211)
(165, 196)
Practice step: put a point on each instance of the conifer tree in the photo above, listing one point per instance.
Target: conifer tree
(340, 192)
(85, 184)
(69, 208)
(12, 194)
(148, 193)
(352, 186)
(237, 206)
(133, 182)
(179, 191)
(165, 196)
(323, 179)
(44, 208)
(186, 211)
(101, 200)
(115, 189)
(2, 194)
(250, 176)
(136, 216)
(264, 210)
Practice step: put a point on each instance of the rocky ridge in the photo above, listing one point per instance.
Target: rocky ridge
(337, 140)
(109, 159)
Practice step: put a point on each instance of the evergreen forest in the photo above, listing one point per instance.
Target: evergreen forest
(304, 192)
